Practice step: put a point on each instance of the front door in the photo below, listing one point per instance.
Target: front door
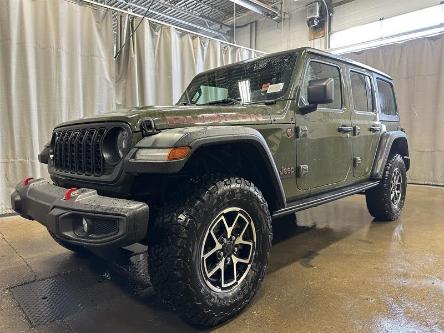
(324, 154)
(364, 121)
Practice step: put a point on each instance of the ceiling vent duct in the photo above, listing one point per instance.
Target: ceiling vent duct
(314, 17)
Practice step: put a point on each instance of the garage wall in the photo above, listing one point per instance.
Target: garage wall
(293, 32)
(417, 68)
(56, 63)
(271, 36)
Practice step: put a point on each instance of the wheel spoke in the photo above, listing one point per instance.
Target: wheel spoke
(214, 237)
(213, 250)
(220, 266)
(243, 242)
(234, 261)
(222, 273)
(225, 224)
(244, 261)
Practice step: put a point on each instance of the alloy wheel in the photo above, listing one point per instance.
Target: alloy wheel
(228, 249)
(396, 188)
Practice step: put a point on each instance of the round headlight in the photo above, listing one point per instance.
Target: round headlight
(115, 145)
(122, 143)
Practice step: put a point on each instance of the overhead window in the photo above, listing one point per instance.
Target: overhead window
(361, 92)
(389, 30)
(386, 97)
(318, 70)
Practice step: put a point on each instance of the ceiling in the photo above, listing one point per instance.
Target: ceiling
(210, 17)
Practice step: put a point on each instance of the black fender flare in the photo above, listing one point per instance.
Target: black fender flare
(197, 137)
(386, 143)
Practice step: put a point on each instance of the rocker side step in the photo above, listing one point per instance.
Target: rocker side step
(322, 198)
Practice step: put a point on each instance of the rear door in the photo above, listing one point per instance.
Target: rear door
(366, 126)
(324, 154)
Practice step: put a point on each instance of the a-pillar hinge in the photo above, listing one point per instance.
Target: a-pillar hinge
(301, 132)
(302, 170)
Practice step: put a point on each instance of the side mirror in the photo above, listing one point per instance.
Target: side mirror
(319, 92)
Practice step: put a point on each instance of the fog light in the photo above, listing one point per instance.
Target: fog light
(85, 226)
(82, 226)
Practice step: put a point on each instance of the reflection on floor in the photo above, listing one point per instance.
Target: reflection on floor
(336, 271)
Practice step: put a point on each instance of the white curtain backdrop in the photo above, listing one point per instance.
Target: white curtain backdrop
(417, 68)
(56, 64)
(158, 62)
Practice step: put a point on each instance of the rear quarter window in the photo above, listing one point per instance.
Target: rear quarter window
(361, 87)
(386, 98)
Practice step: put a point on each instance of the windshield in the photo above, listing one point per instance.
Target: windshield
(261, 80)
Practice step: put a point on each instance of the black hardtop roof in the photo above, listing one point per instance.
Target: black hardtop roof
(313, 51)
(343, 59)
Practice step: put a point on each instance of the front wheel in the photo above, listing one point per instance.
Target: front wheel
(208, 256)
(385, 201)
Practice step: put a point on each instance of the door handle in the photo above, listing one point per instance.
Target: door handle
(345, 129)
(375, 128)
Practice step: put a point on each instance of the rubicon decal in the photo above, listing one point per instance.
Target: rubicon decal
(215, 118)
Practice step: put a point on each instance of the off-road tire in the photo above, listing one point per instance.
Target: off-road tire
(379, 201)
(175, 244)
(72, 247)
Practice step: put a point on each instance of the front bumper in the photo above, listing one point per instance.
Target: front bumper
(86, 219)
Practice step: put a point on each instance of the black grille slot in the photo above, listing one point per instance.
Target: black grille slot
(79, 151)
(102, 228)
(97, 154)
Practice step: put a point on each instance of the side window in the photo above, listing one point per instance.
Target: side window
(317, 70)
(386, 98)
(361, 92)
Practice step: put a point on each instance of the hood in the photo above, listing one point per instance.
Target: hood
(184, 116)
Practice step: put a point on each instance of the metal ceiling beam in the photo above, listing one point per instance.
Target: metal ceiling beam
(120, 10)
(260, 8)
(209, 21)
(172, 18)
(203, 3)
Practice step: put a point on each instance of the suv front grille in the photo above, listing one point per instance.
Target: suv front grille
(79, 151)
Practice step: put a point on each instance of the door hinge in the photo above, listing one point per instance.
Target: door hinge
(301, 132)
(302, 170)
(356, 162)
(356, 130)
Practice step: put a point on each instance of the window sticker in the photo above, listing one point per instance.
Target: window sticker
(274, 88)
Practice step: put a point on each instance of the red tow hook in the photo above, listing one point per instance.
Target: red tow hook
(70, 193)
(27, 180)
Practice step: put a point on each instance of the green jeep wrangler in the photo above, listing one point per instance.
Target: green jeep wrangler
(201, 182)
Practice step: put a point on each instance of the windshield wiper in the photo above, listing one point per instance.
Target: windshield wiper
(270, 101)
(227, 100)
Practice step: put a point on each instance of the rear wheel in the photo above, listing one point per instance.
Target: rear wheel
(385, 202)
(208, 256)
